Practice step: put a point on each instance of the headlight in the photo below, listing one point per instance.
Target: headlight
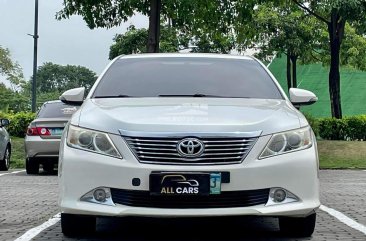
(288, 142)
(93, 141)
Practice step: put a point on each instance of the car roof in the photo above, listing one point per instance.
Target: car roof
(185, 55)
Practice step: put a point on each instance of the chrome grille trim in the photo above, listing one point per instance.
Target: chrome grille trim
(234, 134)
(163, 150)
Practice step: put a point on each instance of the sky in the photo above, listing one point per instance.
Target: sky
(67, 41)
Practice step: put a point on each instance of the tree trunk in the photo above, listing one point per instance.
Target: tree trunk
(336, 33)
(288, 72)
(294, 74)
(154, 27)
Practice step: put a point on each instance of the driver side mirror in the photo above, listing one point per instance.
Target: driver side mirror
(4, 122)
(300, 97)
(73, 96)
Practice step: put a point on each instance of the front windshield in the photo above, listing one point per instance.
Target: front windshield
(187, 76)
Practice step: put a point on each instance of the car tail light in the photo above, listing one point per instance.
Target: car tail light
(38, 131)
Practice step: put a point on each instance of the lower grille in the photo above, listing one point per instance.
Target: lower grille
(224, 200)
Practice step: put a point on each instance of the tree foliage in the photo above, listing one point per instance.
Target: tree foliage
(9, 68)
(207, 19)
(53, 77)
(335, 14)
(135, 41)
(172, 40)
(284, 30)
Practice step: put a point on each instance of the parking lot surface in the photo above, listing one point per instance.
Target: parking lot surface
(29, 201)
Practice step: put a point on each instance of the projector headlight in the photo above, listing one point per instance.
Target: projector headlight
(289, 141)
(90, 140)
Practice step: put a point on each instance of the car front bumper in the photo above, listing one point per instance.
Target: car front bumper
(81, 171)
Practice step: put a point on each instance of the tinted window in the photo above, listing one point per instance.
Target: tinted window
(56, 110)
(150, 77)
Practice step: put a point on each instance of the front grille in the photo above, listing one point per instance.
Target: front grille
(224, 200)
(159, 150)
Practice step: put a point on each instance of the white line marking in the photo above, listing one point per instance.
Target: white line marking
(18, 171)
(344, 219)
(30, 234)
(8, 173)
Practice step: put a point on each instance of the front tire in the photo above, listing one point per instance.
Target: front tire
(5, 162)
(298, 227)
(75, 225)
(32, 165)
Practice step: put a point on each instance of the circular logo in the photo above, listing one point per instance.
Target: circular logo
(190, 147)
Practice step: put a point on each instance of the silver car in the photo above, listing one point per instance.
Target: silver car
(5, 146)
(43, 136)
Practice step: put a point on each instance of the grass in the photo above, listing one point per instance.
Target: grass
(332, 154)
(342, 154)
(18, 154)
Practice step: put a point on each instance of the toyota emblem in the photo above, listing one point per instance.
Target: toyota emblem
(190, 147)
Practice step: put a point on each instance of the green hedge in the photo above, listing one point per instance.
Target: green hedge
(351, 128)
(18, 122)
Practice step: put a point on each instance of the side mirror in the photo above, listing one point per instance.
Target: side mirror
(300, 97)
(4, 122)
(73, 96)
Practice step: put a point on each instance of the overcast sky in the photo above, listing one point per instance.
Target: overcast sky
(63, 42)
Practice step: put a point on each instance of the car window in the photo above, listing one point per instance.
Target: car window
(151, 77)
(56, 110)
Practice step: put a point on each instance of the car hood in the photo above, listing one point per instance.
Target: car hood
(188, 115)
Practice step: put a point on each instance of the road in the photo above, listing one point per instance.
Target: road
(29, 201)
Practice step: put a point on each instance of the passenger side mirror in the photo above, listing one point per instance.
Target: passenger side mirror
(4, 122)
(300, 97)
(73, 96)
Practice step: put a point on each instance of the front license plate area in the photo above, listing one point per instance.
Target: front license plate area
(184, 184)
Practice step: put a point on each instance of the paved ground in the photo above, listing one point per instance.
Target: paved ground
(28, 201)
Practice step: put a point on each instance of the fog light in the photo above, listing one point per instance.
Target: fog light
(100, 195)
(279, 195)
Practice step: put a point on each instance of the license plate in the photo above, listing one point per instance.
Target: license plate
(56, 131)
(185, 184)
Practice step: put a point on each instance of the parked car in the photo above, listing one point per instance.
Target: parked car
(43, 136)
(5, 146)
(188, 135)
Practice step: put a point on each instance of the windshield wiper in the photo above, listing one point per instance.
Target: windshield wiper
(112, 96)
(194, 95)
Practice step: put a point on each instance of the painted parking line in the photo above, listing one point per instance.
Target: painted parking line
(30, 234)
(344, 219)
(8, 173)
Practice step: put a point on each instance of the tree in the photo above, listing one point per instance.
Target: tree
(215, 16)
(109, 13)
(53, 77)
(134, 41)
(284, 30)
(10, 69)
(335, 14)
(172, 40)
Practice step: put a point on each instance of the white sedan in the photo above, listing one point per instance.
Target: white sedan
(188, 135)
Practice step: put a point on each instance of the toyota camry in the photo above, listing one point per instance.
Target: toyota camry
(188, 135)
